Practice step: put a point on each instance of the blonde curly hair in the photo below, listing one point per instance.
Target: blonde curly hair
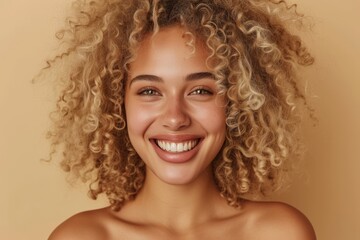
(252, 54)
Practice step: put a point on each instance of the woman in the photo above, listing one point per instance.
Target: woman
(179, 111)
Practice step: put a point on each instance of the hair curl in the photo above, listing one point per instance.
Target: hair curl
(253, 56)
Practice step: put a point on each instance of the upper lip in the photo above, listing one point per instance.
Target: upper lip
(176, 138)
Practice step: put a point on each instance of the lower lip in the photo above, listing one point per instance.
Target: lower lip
(178, 157)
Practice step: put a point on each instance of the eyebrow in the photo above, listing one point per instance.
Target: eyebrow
(190, 77)
(199, 75)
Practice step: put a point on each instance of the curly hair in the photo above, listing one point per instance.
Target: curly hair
(254, 58)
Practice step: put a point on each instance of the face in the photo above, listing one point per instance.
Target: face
(175, 118)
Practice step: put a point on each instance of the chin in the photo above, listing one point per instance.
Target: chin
(177, 177)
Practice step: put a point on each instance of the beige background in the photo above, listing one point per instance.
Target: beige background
(34, 196)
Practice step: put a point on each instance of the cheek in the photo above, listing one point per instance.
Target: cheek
(212, 118)
(138, 119)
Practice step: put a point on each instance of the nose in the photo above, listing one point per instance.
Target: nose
(175, 116)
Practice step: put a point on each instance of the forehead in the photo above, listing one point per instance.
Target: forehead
(170, 46)
(171, 35)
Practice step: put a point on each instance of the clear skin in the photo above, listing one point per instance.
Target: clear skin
(171, 96)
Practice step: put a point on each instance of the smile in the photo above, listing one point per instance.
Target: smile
(177, 147)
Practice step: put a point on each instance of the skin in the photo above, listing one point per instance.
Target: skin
(168, 100)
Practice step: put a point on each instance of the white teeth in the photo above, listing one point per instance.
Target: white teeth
(173, 147)
(177, 147)
(186, 147)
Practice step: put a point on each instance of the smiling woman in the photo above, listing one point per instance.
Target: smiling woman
(179, 111)
(170, 97)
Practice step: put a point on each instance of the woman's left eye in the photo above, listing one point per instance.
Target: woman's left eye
(201, 91)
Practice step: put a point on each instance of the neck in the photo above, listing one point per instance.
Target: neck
(192, 203)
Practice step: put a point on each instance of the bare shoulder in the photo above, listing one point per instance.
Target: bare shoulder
(275, 220)
(85, 225)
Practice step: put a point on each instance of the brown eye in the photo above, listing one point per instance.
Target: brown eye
(201, 91)
(149, 92)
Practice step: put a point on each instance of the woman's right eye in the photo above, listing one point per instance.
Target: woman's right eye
(148, 92)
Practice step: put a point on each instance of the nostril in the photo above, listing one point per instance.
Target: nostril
(176, 122)
(175, 116)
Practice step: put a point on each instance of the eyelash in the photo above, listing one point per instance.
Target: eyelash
(153, 92)
(148, 92)
(201, 91)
